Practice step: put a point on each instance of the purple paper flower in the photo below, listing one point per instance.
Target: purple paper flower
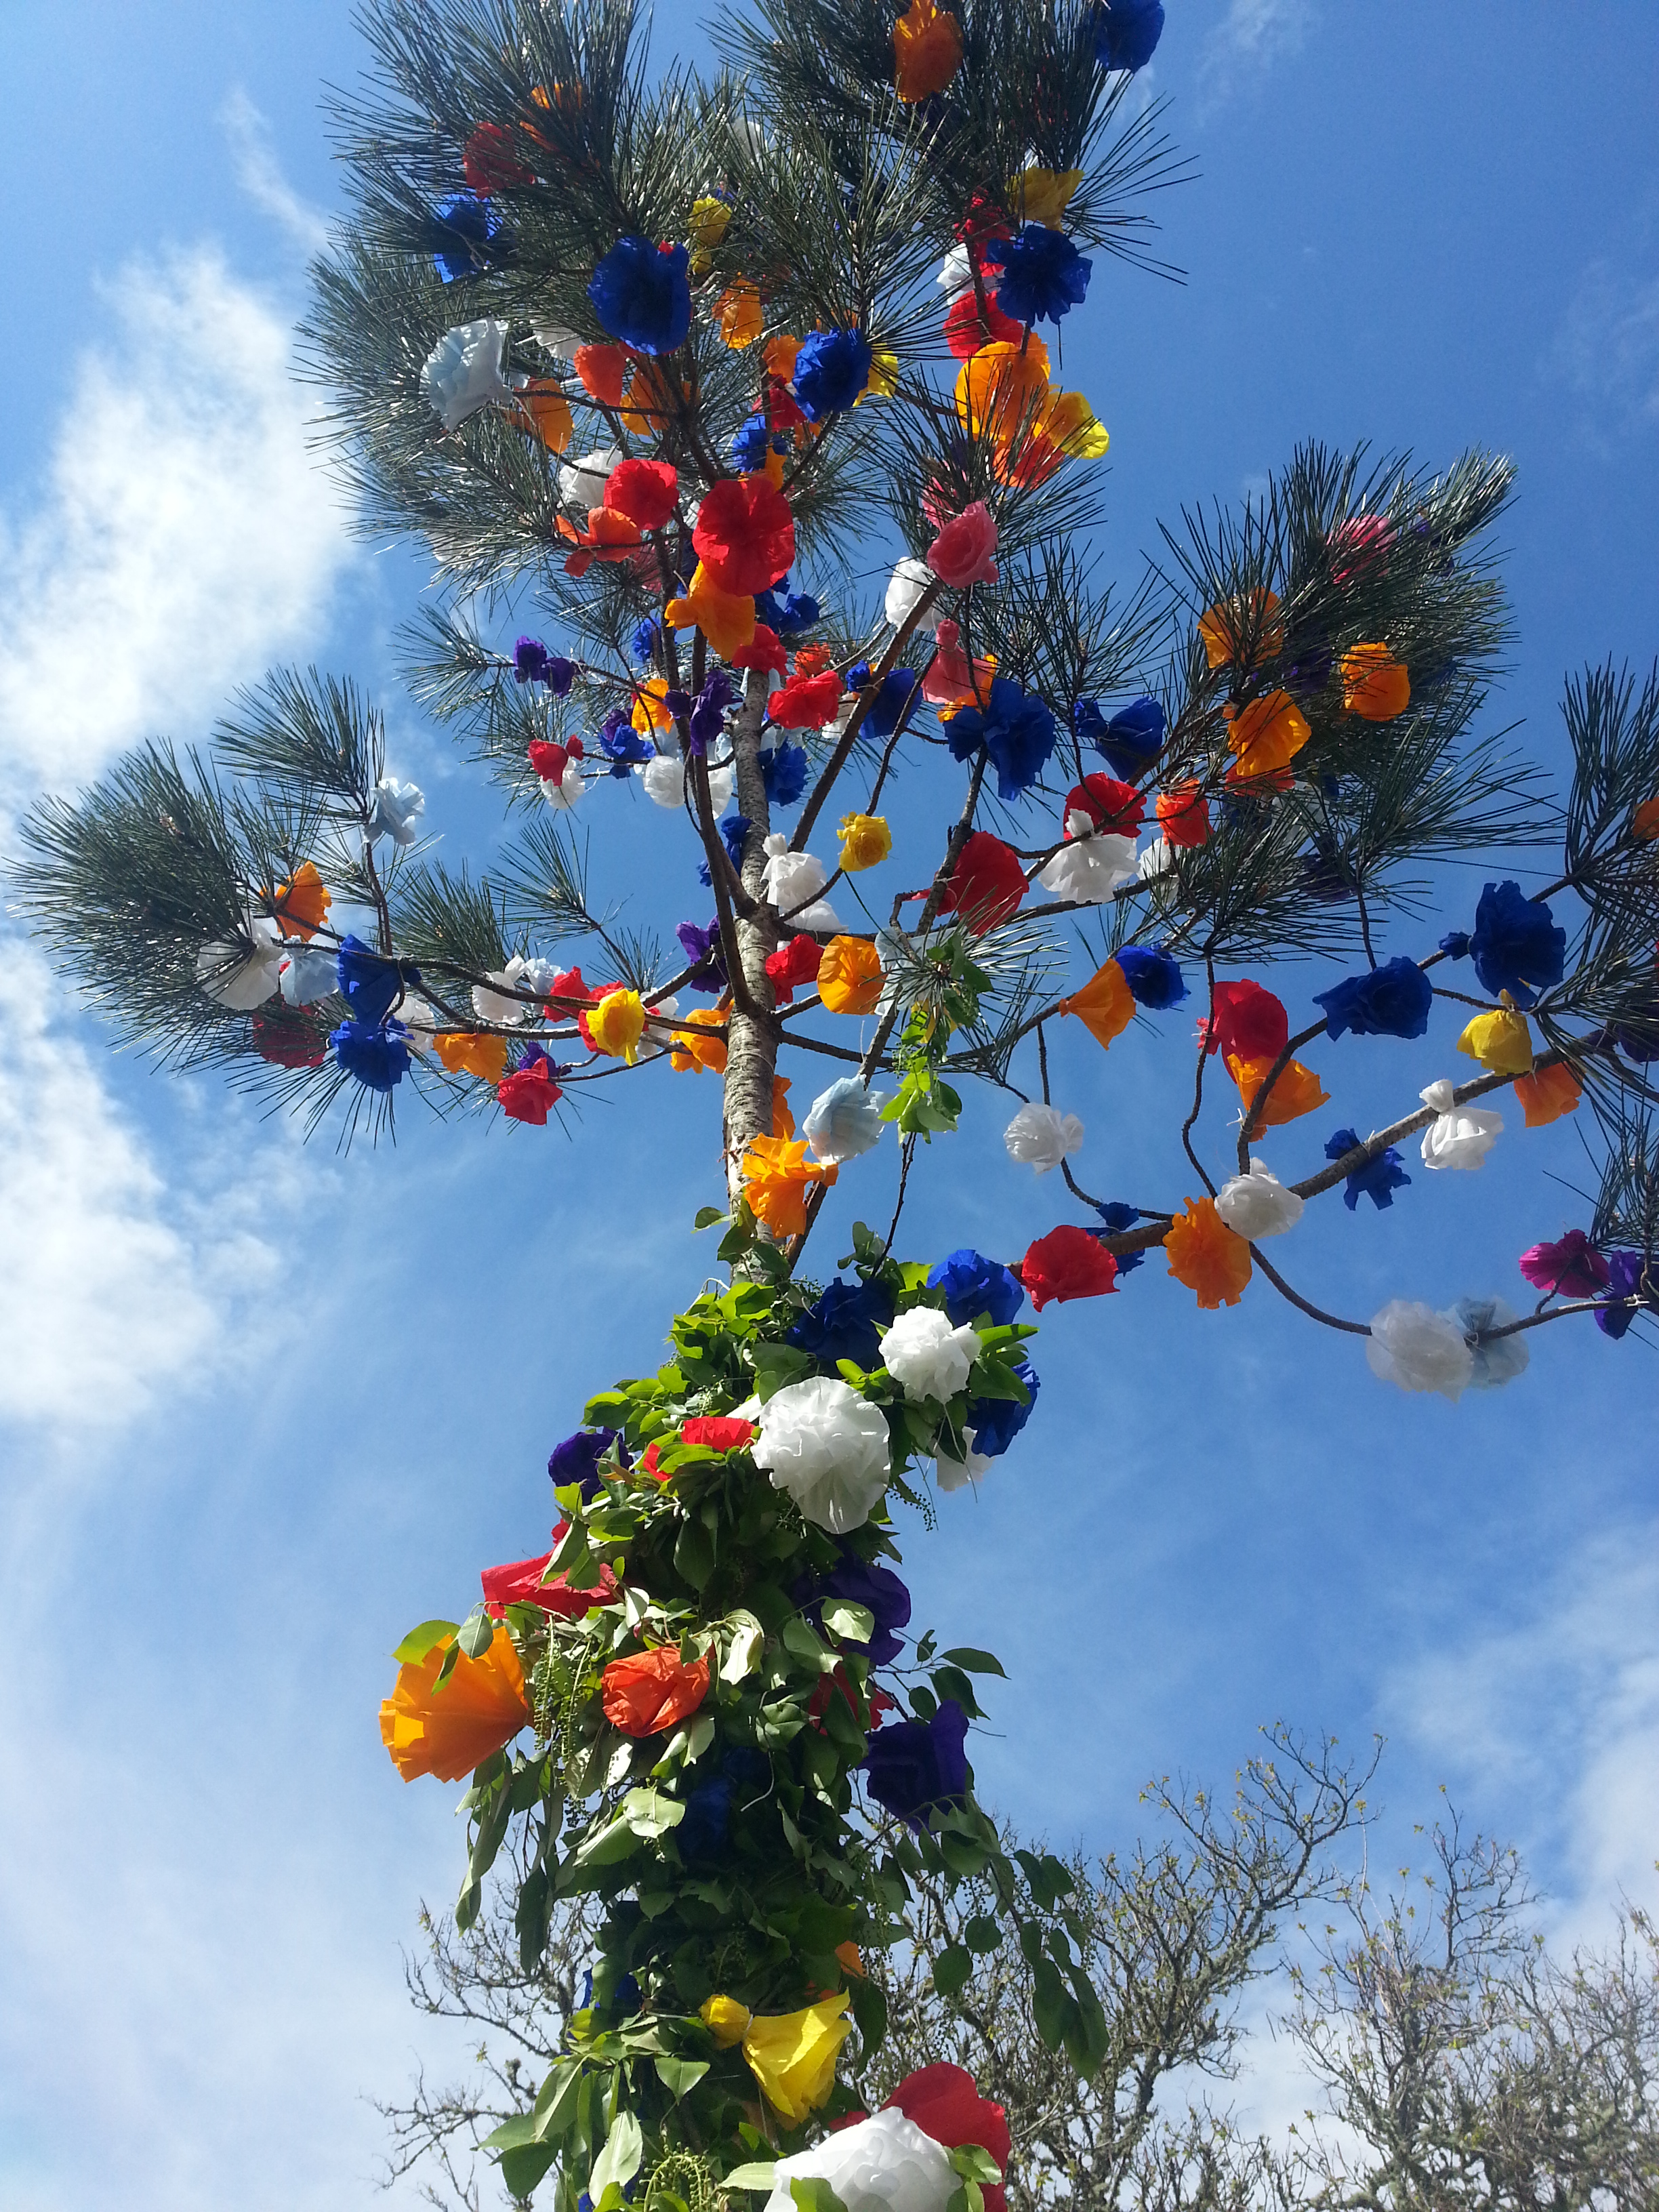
(1625, 1274)
(702, 948)
(916, 1764)
(878, 1590)
(577, 1459)
(1571, 1267)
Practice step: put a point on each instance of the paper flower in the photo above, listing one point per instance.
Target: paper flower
(877, 1589)
(378, 1057)
(975, 1285)
(1126, 32)
(302, 906)
(1418, 1349)
(652, 1691)
(545, 411)
(1043, 275)
(1068, 1263)
(1090, 868)
(967, 328)
(1104, 804)
(529, 1093)
(831, 371)
(1359, 546)
(576, 1460)
(1131, 740)
(664, 779)
(792, 967)
(645, 491)
(1501, 1042)
(1459, 1136)
(926, 51)
(1183, 815)
(687, 1048)
(1392, 1000)
(464, 1054)
(1211, 1259)
(1547, 1094)
(793, 2057)
(642, 294)
(1571, 1267)
(472, 228)
(582, 481)
(845, 1322)
(1296, 1090)
(986, 884)
(1105, 1005)
(239, 977)
(1245, 631)
(1516, 945)
(602, 370)
(449, 1732)
(396, 805)
(520, 1583)
(463, 372)
(844, 1121)
(725, 618)
(828, 1448)
(892, 695)
(1016, 728)
(928, 1356)
(1628, 1273)
(953, 1474)
(1152, 975)
(739, 316)
(1375, 685)
(776, 1174)
(995, 1422)
(1499, 1361)
(368, 981)
(1040, 1136)
(850, 976)
(916, 1764)
(744, 534)
(1257, 1205)
(1376, 1179)
(287, 1038)
(963, 552)
(1267, 736)
(884, 2164)
(911, 581)
(865, 841)
(793, 882)
(806, 702)
(501, 1006)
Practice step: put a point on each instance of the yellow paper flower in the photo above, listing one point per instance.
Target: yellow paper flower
(727, 619)
(737, 315)
(793, 2055)
(1211, 1260)
(1069, 422)
(1105, 1005)
(461, 1052)
(689, 1049)
(1501, 1042)
(616, 1023)
(882, 380)
(725, 2020)
(1268, 734)
(710, 219)
(1232, 628)
(775, 1176)
(1043, 195)
(865, 841)
(849, 975)
(1374, 684)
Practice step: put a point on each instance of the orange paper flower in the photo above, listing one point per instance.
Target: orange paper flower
(1242, 630)
(1374, 684)
(1211, 1260)
(737, 315)
(1183, 815)
(1105, 1005)
(303, 904)
(450, 1731)
(727, 619)
(775, 1175)
(649, 711)
(1297, 1092)
(783, 1121)
(603, 372)
(1266, 735)
(779, 355)
(850, 976)
(1548, 1094)
(1001, 391)
(652, 1692)
(463, 1054)
(548, 412)
(1644, 823)
(688, 1048)
(926, 51)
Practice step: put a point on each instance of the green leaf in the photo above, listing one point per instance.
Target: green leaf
(706, 1216)
(982, 1933)
(556, 2103)
(744, 1648)
(523, 2168)
(812, 2193)
(694, 1553)
(976, 1662)
(778, 1364)
(514, 2134)
(870, 2011)
(478, 1633)
(650, 1815)
(737, 1240)
(419, 1641)
(951, 1970)
(619, 2162)
(927, 1647)
(798, 1640)
(757, 2174)
(1052, 2005)
(849, 1623)
(613, 1844)
(974, 2163)
(951, 1682)
(678, 2076)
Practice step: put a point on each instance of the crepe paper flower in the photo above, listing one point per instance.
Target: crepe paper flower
(964, 552)
(1234, 629)
(792, 967)
(472, 228)
(832, 368)
(737, 315)
(1068, 1263)
(652, 1692)
(845, 1323)
(1297, 1092)
(986, 884)
(927, 1355)
(926, 51)
(602, 370)
(725, 618)
(616, 1025)
(368, 981)
(950, 1472)
(883, 2164)
(1002, 389)
(1645, 822)
(688, 1049)
(449, 1732)
(1627, 1272)
(865, 841)
(952, 681)
(1211, 1259)
(1040, 1136)
(765, 651)
(1183, 815)
(286, 1038)
(1392, 1000)
(877, 1589)
(792, 882)
(850, 976)
(975, 1285)
(645, 491)
(702, 948)
(397, 807)
(1257, 1205)
(916, 1764)
(1018, 730)
(890, 701)
(827, 1448)
(463, 372)
(706, 717)
(1501, 1042)
(967, 327)
(944, 2101)
(744, 535)
(302, 905)
(776, 1175)
(1104, 804)
(1418, 1349)
(487, 163)
(995, 1422)
(845, 1121)
(793, 2055)
(1039, 195)
(1375, 685)
(546, 412)
(576, 1460)
(1267, 736)
(378, 1057)
(1548, 1094)
(642, 294)
(1105, 1005)
(520, 1583)
(1043, 275)
(726, 2020)
(464, 1054)
(1459, 1136)
(806, 702)
(582, 481)
(1131, 739)
(1358, 546)
(1516, 946)
(1375, 1179)
(1498, 1360)
(1126, 32)
(529, 1093)
(909, 584)
(306, 973)
(1154, 975)
(789, 614)
(1248, 1022)
(1571, 1267)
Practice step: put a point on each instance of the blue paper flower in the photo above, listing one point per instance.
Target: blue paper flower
(378, 1055)
(702, 948)
(646, 638)
(1625, 1270)
(1455, 945)
(881, 717)
(734, 831)
(706, 1831)
(1378, 1180)
(642, 294)
(1154, 978)
(783, 771)
(473, 238)
(1117, 1217)
(996, 1422)
(1131, 741)
(1126, 32)
(749, 444)
(974, 1285)
(914, 1765)
(1504, 1357)
(577, 1459)
(846, 1323)
(878, 1590)
(1017, 729)
(1043, 275)
(369, 983)
(621, 744)
(789, 615)
(1392, 1000)
(831, 370)
(1516, 946)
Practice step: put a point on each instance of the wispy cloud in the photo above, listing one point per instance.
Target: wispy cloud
(1244, 45)
(1606, 350)
(260, 174)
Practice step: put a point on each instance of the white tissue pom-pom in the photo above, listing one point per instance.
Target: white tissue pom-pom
(1412, 1345)
(1156, 860)
(1088, 869)
(463, 371)
(883, 2164)
(722, 784)
(844, 1121)
(926, 1355)
(582, 481)
(652, 1044)
(491, 1006)
(1460, 1136)
(956, 274)
(1257, 1204)
(909, 581)
(1494, 1364)
(952, 1474)
(308, 972)
(792, 882)
(664, 779)
(396, 807)
(234, 976)
(423, 1021)
(1041, 1136)
(827, 1447)
(553, 338)
(562, 796)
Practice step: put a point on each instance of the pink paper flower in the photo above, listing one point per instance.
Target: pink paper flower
(962, 552)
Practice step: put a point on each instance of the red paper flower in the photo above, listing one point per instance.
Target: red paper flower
(744, 534)
(719, 1431)
(645, 491)
(1183, 815)
(880, 1703)
(1114, 807)
(602, 372)
(529, 1093)
(551, 760)
(487, 161)
(1068, 1263)
(966, 329)
(806, 702)
(944, 2102)
(764, 650)
(962, 553)
(986, 884)
(792, 967)
(652, 1692)
(520, 1582)
(287, 1038)
(1250, 1022)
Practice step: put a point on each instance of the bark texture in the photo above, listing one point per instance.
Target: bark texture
(751, 1049)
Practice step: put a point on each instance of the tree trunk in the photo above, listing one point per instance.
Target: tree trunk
(751, 1047)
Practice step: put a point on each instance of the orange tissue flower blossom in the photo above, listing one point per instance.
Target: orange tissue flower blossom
(602, 370)
(1266, 735)
(1233, 628)
(1297, 1092)
(1547, 1095)
(689, 1049)
(850, 976)
(1105, 1005)
(1001, 389)
(1374, 684)
(926, 51)
(783, 1121)
(652, 1691)
(1644, 823)
(775, 1175)
(779, 355)
(1211, 1260)
(727, 619)
(303, 904)
(463, 1054)
(450, 1731)
(547, 411)
(737, 315)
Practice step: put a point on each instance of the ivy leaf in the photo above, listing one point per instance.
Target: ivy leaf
(848, 1623)
(812, 2193)
(419, 1641)
(649, 1813)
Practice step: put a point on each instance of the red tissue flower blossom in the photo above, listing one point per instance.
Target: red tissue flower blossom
(529, 1093)
(764, 650)
(644, 491)
(986, 884)
(520, 1582)
(719, 1431)
(1250, 1022)
(792, 967)
(487, 161)
(806, 702)
(744, 534)
(1114, 807)
(944, 2102)
(966, 329)
(1068, 1263)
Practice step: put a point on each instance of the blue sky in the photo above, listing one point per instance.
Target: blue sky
(262, 1407)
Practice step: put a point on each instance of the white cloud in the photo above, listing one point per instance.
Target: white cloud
(260, 175)
(1243, 47)
(1607, 348)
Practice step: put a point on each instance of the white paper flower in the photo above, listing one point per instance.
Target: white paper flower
(1498, 1363)
(792, 882)
(582, 481)
(956, 274)
(664, 779)
(1412, 1345)
(909, 581)
(463, 371)
(722, 783)
(553, 338)
(1258, 1205)
(422, 1019)
(956, 1474)
(1460, 1136)
(844, 1121)
(828, 1448)
(1158, 859)
(236, 977)
(926, 1355)
(309, 972)
(883, 2164)
(1090, 867)
(491, 1006)
(396, 806)
(654, 1043)
(1041, 1136)
(562, 796)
